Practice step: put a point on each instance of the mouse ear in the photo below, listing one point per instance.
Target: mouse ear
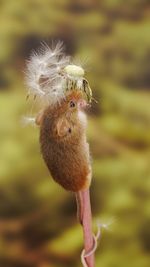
(62, 127)
(39, 118)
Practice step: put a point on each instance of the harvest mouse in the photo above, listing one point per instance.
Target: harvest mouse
(63, 142)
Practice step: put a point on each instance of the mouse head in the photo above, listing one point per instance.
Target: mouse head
(63, 120)
(75, 102)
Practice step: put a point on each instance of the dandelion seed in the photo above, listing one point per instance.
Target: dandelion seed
(27, 120)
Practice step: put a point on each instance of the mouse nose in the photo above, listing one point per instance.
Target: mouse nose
(82, 104)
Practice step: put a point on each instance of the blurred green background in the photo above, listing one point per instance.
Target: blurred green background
(38, 226)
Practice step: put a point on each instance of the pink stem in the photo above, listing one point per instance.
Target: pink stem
(85, 217)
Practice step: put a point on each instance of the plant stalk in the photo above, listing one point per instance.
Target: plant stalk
(85, 218)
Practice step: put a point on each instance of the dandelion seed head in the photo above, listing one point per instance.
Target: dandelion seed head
(51, 76)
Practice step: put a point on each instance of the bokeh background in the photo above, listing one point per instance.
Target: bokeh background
(38, 226)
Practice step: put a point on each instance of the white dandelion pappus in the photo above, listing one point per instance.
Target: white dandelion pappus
(27, 120)
(43, 72)
(51, 76)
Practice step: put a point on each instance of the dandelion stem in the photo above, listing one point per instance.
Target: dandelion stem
(85, 218)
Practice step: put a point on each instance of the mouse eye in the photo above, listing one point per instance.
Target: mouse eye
(72, 104)
(69, 130)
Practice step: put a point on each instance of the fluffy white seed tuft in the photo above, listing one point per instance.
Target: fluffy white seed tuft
(44, 72)
(27, 121)
(51, 76)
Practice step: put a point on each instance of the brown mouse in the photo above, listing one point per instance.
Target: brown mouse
(63, 142)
